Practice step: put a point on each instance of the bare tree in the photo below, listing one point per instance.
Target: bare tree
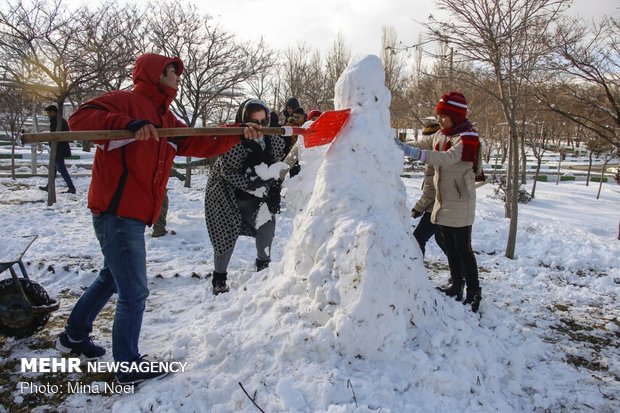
(215, 62)
(506, 39)
(587, 91)
(395, 77)
(302, 75)
(45, 50)
(12, 116)
(538, 134)
(306, 75)
(337, 60)
(601, 149)
(265, 83)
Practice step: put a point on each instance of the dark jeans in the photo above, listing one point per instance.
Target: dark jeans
(425, 230)
(62, 168)
(461, 257)
(123, 272)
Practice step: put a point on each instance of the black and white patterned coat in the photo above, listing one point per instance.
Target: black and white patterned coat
(230, 179)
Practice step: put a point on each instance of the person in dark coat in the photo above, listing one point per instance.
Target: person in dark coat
(289, 109)
(63, 150)
(237, 201)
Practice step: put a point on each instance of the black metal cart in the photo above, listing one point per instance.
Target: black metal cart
(25, 306)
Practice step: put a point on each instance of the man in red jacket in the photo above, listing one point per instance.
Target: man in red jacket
(128, 186)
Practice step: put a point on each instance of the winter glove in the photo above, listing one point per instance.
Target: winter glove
(410, 151)
(415, 214)
(135, 125)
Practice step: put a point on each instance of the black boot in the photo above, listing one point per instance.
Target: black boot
(474, 298)
(262, 264)
(453, 291)
(219, 283)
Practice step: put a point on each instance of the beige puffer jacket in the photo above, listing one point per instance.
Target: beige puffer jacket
(454, 182)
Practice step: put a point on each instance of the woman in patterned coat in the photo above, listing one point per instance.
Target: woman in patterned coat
(237, 201)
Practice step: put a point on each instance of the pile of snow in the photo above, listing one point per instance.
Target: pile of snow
(351, 250)
(349, 310)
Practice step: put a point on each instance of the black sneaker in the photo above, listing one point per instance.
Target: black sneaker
(85, 347)
(219, 287)
(43, 188)
(219, 283)
(70, 191)
(452, 291)
(473, 299)
(143, 373)
(261, 264)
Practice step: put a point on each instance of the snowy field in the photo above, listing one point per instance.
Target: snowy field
(553, 310)
(346, 319)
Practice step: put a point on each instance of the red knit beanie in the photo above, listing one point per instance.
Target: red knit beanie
(454, 105)
(313, 113)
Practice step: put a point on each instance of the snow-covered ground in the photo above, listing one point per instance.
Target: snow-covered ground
(347, 318)
(553, 307)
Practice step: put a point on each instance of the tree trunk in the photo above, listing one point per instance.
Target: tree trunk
(600, 185)
(538, 163)
(13, 157)
(51, 172)
(33, 159)
(557, 180)
(509, 169)
(523, 163)
(188, 172)
(51, 175)
(504, 153)
(514, 197)
(589, 171)
(33, 147)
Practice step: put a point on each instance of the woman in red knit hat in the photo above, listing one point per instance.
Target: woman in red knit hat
(456, 159)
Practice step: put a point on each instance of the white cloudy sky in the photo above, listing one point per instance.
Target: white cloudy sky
(284, 23)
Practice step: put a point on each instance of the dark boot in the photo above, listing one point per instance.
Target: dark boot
(453, 290)
(43, 188)
(158, 231)
(262, 264)
(219, 283)
(474, 298)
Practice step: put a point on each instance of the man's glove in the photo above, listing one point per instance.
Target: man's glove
(415, 213)
(410, 151)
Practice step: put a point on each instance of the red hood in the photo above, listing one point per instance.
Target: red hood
(146, 74)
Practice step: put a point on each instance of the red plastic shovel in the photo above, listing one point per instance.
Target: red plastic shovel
(323, 131)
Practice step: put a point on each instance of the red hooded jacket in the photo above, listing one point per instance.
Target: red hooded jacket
(129, 177)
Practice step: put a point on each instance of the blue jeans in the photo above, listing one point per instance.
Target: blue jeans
(62, 168)
(123, 272)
